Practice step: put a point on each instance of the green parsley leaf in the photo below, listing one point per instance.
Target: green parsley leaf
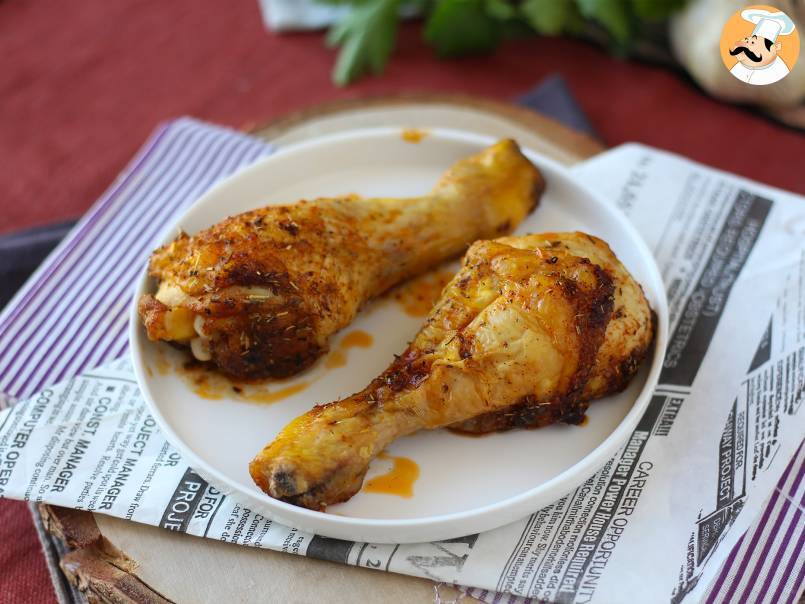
(366, 36)
(461, 27)
(613, 15)
(500, 9)
(549, 17)
(336, 2)
(656, 10)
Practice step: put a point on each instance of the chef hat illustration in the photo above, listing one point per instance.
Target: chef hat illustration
(768, 25)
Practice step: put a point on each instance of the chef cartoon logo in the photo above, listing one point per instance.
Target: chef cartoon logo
(759, 45)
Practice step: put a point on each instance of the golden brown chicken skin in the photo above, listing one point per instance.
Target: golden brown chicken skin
(513, 324)
(260, 293)
(627, 343)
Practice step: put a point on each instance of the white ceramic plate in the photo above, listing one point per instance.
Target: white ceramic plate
(466, 485)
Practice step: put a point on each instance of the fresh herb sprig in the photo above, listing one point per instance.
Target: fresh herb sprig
(368, 33)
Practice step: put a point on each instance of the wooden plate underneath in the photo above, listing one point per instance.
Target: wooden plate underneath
(423, 111)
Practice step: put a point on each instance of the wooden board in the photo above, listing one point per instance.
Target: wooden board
(115, 561)
(421, 111)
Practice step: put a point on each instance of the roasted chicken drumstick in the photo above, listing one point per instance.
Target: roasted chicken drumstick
(627, 342)
(259, 294)
(519, 323)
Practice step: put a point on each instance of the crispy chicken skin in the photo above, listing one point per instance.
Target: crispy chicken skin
(628, 339)
(260, 293)
(515, 324)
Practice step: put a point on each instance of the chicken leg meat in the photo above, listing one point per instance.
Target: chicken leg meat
(521, 325)
(627, 341)
(260, 293)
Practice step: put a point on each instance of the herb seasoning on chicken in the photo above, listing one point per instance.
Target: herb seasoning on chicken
(520, 337)
(260, 294)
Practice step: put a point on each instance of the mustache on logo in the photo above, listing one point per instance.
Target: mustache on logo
(743, 49)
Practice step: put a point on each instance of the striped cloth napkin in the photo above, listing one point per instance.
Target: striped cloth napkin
(73, 312)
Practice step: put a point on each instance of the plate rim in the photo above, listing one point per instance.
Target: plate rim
(427, 528)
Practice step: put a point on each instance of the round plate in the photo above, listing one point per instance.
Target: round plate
(466, 485)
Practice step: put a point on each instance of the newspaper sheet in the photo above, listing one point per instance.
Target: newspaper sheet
(653, 524)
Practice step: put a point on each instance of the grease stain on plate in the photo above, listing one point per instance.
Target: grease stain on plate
(398, 481)
(354, 339)
(212, 385)
(335, 359)
(357, 339)
(260, 395)
(413, 135)
(417, 296)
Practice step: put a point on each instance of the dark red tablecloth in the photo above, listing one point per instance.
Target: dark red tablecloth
(82, 84)
(23, 573)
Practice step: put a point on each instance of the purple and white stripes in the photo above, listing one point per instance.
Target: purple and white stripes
(768, 563)
(72, 314)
